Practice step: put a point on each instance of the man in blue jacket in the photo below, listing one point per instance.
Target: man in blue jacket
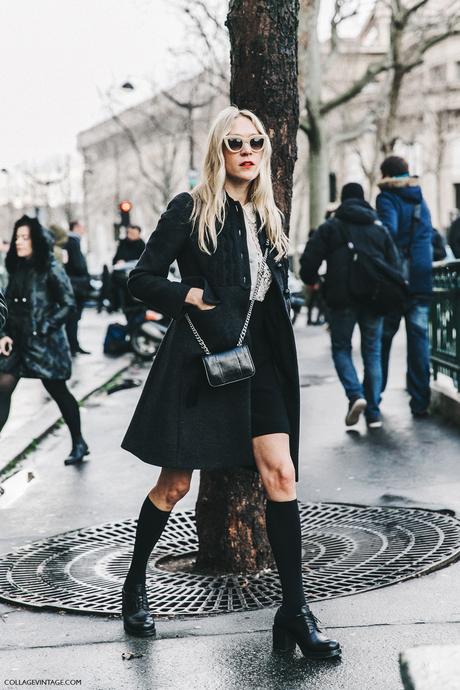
(403, 210)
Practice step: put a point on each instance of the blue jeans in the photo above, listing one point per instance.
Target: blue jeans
(418, 352)
(342, 323)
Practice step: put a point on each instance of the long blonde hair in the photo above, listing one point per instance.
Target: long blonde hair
(209, 195)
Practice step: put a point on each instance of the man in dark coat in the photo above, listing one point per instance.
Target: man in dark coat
(130, 248)
(354, 221)
(403, 210)
(77, 270)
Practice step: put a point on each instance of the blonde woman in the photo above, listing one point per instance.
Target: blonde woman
(228, 240)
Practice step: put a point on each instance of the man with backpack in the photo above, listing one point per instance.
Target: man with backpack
(360, 254)
(403, 210)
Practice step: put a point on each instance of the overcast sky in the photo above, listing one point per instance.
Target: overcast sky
(57, 56)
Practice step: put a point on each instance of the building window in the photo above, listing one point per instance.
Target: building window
(438, 74)
(457, 196)
(332, 187)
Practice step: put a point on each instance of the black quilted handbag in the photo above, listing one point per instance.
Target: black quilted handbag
(233, 365)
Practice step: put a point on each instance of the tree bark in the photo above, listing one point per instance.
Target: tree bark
(263, 39)
(263, 34)
(230, 524)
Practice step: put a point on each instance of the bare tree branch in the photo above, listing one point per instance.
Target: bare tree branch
(412, 10)
(134, 144)
(339, 16)
(188, 105)
(357, 130)
(369, 76)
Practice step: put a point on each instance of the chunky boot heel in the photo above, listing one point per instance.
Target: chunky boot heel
(283, 641)
(303, 629)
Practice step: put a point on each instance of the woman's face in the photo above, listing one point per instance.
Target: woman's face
(244, 165)
(23, 242)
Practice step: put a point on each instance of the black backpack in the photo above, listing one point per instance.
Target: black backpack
(374, 283)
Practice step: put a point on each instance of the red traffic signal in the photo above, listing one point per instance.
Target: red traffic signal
(125, 206)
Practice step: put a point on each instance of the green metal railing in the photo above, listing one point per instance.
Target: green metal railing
(445, 321)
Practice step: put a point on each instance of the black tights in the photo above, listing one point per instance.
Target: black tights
(58, 391)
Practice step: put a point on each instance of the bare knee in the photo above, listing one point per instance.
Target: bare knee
(170, 488)
(176, 491)
(279, 481)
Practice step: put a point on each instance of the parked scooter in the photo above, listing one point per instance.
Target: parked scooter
(145, 328)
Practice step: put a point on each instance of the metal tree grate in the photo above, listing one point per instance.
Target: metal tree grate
(346, 549)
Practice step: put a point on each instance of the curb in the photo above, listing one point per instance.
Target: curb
(446, 401)
(30, 434)
(428, 667)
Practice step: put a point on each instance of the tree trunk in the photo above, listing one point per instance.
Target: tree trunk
(318, 174)
(397, 28)
(390, 137)
(230, 523)
(263, 38)
(318, 164)
(263, 35)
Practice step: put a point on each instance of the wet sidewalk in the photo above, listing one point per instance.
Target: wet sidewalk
(407, 463)
(33, 412)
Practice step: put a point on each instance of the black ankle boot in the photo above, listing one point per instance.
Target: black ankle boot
(137, 619)
(303, 629)
(78, 452)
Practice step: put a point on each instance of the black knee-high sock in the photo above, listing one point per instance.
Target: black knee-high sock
(8, 383)
(284, 535)
(150, 525)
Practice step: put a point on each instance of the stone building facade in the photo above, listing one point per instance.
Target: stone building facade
(428, 124)
(144, 155)
(150, 152)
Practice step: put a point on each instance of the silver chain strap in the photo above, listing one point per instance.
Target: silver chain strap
(197, 335)
(248, 316)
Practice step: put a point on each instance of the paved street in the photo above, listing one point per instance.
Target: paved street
(408, 463)
(33, 411)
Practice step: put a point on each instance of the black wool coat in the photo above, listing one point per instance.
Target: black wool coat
(180, 421)
(77, 268)
(40, 346)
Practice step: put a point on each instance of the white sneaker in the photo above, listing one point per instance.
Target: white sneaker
(375, 425)
(354, 411)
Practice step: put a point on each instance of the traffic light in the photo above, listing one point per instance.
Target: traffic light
(125, 207)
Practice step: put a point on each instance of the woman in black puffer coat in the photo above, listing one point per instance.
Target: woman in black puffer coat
(33, 342)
